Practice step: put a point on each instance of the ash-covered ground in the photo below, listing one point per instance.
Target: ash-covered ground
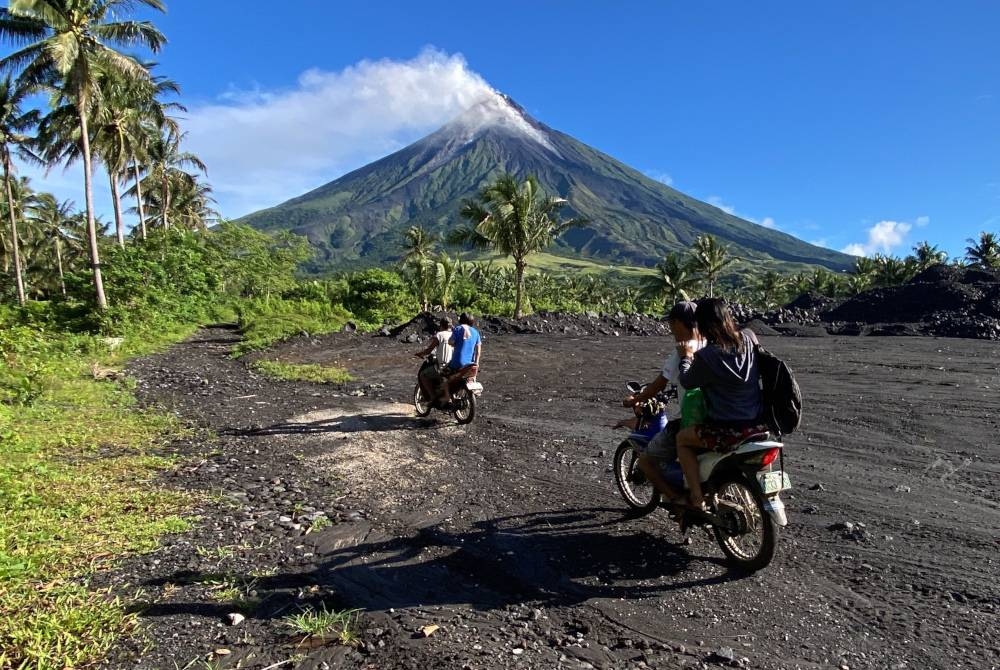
(509, 533)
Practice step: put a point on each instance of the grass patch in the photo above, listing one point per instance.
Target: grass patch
(340, 626)
(265, 322)
(77, 490)
(303, 372)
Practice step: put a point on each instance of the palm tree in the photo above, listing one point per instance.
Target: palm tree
(516, 219)
(417, 244)
(984, 252)
(67, 50)
(450, 269)
(55, 224)
(164, 173)
(771, 287)
(671, 282)
(14, 122)
(710, 258)
(927, 254)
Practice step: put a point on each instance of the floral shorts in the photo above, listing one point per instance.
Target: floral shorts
(724, 439)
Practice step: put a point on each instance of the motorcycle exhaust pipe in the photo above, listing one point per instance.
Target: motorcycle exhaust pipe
(776, 509)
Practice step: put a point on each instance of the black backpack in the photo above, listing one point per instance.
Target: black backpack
(782, 397)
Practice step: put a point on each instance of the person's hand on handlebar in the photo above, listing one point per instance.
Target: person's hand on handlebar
(629, 401)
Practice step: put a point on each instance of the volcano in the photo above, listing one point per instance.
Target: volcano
(358, 219)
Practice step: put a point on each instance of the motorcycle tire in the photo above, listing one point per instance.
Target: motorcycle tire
(465, 406)
(633, 485)
(752, 538)
(421, 403)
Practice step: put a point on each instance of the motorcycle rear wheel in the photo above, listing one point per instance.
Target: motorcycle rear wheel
(635, 488)
(465, 406)
(421, 403)
(752, 538)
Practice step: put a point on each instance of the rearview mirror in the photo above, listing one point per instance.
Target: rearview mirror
(633, 387)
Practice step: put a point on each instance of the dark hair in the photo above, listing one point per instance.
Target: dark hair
(444, 323)
(684, 311)
(716, 324)
(466, 319)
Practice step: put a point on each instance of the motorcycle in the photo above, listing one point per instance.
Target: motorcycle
(464, 388)
(742, 488)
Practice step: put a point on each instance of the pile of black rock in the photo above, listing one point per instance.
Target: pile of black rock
(942, 301)
(587, 323)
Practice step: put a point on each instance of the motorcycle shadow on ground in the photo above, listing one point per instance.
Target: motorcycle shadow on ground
(550, 559)
(355, 423)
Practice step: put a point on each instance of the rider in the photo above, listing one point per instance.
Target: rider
(662, 448)
(467, 348)
(429, 375)
(726, 371)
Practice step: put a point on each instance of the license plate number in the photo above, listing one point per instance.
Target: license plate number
(773, 482)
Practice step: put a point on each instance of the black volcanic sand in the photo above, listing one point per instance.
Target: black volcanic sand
(509, 533)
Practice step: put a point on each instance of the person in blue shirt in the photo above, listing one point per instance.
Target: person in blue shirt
(466, 350)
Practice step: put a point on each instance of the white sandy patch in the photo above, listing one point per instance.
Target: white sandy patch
(379, 449)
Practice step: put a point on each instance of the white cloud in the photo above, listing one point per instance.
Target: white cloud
(766, 222)
(660, 176)
(883, 237)
(716, 201)
(263, 147)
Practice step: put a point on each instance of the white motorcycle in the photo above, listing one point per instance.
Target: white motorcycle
(742, 489)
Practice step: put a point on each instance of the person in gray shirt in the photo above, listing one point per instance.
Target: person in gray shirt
(726, 372)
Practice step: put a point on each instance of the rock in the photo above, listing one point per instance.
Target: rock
(810, 509)
(427, 631)
(235, 619)
(845, 526)
(384, 331)
(723, 655)
(412, 338)
(817, 487)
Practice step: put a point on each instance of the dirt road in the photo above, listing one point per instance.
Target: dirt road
(510, 536)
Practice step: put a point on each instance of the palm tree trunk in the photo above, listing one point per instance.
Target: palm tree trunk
(62, 282)
(165, 202)
(95, 254)
(519, 266)
(13, 233)
(119, 226)
(138, 197)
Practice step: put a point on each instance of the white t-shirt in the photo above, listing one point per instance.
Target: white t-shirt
(672, 371)
(443, 350)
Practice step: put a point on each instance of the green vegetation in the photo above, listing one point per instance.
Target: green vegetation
(335, 625)
(264, 322)
(76, 491)
(515, 218)
(321, 374)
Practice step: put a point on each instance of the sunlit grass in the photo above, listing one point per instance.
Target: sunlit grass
(302, 372)
(339, 626)
(77, 491)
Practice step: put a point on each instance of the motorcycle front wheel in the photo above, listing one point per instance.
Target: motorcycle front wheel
(749, 535)
(635, 488)
(421, 402)
(465, 405)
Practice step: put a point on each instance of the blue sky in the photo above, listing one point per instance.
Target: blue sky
(856, 125)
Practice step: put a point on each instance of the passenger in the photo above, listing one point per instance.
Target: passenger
(467, 350)
(429, 375)
(726, 372)
(662, 449)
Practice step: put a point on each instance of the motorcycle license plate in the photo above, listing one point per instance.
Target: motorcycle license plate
(773, 482)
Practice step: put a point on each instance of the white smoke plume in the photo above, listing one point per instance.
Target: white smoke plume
(264, 147)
